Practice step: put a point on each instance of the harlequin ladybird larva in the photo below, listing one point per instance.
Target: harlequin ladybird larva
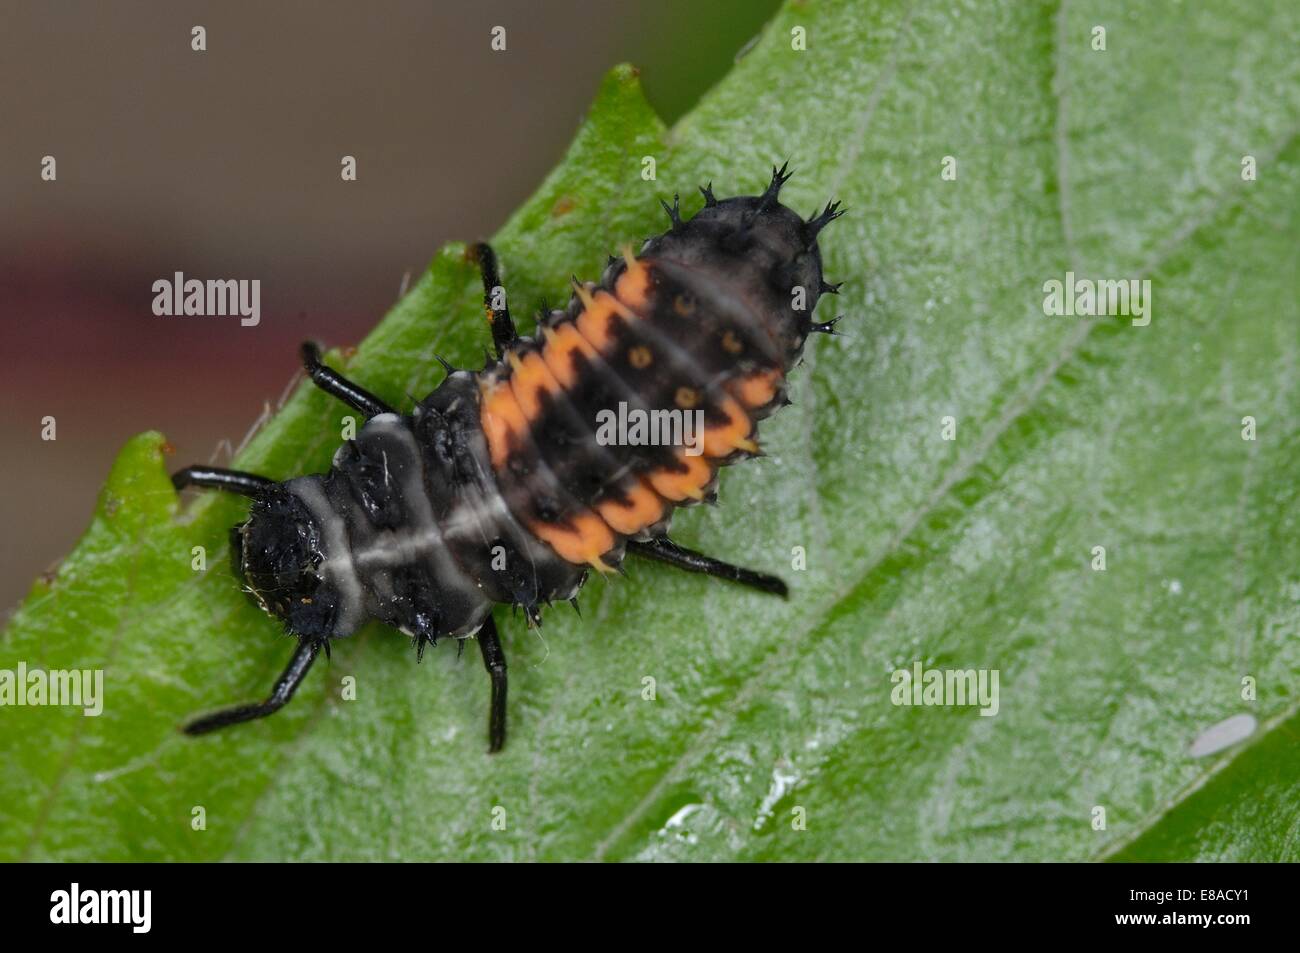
(495, 488)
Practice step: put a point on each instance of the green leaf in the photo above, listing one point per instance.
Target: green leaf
(973, 553)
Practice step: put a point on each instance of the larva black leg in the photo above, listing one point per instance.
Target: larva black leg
(217, 478)
(666, 551)
(494, 660)
(503, 326)
(285, 686)
(336, 385)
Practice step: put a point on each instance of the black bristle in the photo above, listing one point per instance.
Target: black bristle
(707, 192)
(674, 211)
(773, 191)
(830, 213)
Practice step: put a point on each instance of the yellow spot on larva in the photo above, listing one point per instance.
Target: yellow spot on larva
(731, 344)
(687, 397)
(684, 305)
(640, 357)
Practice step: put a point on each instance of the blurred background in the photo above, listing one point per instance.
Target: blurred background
(225, 164)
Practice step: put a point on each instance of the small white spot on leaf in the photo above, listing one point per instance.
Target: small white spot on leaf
(1225, 734)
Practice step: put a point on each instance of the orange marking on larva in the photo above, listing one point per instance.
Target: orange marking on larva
(531, 378)
(583, 542)
(596, 322)
(497, 434)
(618, 305)
(731, 344)
(686, 397)
(561, 342)
(675, 485)
(500, 416)
(758, 389)
(643, 508)
(640, 357)
(633, 286)
(721, 440)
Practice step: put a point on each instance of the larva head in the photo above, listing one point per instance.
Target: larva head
(277, 554)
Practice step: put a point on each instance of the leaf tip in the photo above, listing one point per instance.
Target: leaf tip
(139, 472)
(621, 94)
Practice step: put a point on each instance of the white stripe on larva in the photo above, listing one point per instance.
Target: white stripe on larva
(424, 537)
(475, 514)
(1225, 734)
(338, 556)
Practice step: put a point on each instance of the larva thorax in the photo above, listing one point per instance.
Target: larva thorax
(407, 527)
